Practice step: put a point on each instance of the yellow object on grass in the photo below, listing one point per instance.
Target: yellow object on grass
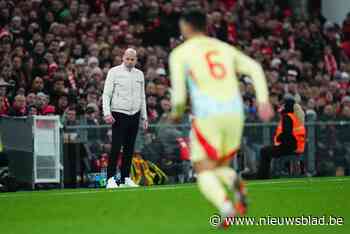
(146, 173)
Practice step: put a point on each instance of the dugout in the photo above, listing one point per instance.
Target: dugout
(33, 148)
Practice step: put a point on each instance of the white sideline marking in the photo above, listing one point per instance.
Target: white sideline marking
(301, 181)
(174, 187)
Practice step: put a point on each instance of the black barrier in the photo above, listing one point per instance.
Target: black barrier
(160, 142)
(326, 154)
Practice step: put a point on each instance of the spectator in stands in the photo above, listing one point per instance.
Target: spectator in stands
(62, 104)
(19, 107)
(3, 110)
(71, 116)
(330, 61)
(165, 107)
(152, 112)
(345, 113)
(30, 99)
(346, 28)
(37, 85)
(92, 97)
(91, 119)
(32, 110)
(328, 114)
(43, 104)
(49, 110)
(4, 102)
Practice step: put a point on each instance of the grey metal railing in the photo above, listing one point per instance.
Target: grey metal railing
(327, 146)
(323, 140)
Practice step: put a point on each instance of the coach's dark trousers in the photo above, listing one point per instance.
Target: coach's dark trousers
(124, 132)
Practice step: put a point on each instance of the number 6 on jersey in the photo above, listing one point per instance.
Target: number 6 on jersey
(217, 70)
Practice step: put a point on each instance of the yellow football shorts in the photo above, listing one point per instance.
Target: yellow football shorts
(216, 138)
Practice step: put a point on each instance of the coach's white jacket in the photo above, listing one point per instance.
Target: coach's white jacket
(124, 92)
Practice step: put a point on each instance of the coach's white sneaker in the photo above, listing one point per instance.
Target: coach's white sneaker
(130, 183)
(111, 184)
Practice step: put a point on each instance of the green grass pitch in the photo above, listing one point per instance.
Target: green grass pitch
(176, 209)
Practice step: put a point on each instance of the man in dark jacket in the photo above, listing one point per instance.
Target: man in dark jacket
(19, 107)
(289, 138)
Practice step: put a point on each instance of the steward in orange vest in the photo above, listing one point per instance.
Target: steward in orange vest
(298, 132)
(289, 137)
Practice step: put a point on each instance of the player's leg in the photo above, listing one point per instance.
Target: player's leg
(204, 155)
(226, 174)
(235, 183)
(232, 134)
(232, 128)
(212, 188)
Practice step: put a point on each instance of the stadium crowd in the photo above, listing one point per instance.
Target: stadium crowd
(55, 54)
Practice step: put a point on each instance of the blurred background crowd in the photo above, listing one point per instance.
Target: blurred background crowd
(55, 54)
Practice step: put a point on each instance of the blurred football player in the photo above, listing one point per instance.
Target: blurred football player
(208, 69)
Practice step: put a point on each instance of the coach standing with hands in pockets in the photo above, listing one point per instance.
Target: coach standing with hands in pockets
(124, 106)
